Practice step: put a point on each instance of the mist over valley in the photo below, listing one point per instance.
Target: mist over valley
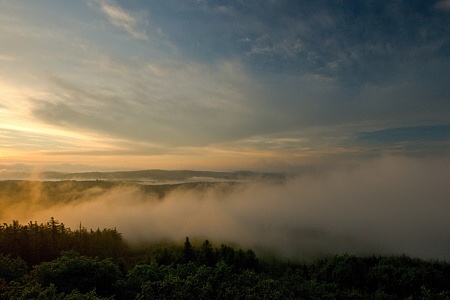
(390, 205)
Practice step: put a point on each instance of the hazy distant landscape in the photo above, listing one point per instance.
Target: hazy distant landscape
(53, 189)
(376, 207)
(351, 232)
(146, 176)
(203, 149)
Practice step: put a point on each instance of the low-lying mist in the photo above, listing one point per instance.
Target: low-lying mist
(391, 205)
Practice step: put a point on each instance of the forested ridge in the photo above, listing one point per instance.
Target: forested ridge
(49, 193)
(51, 261)
(155, 175)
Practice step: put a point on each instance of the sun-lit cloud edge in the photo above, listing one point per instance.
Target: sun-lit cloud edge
(121, 18)
(443, 4)
(205, 90)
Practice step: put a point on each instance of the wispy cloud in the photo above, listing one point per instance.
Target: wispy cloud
(7, 58)
(249, 79)
(121, 18)
(178, 104)
(418, 140)
(443, 4)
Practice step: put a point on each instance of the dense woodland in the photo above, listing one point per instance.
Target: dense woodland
(50, 261)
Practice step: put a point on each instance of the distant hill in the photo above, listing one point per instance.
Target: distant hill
(48, 193)
(50, 188)
(155, 176)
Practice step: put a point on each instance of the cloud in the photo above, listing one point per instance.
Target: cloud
(392, 205)
(123, 19)
(358, 43)
(407, 134)
(416, 141)
(443, 4)
(186, 104)
(250, 74)
(7, 58)
(174, 103)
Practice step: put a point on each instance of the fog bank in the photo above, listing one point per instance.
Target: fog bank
(391, 205)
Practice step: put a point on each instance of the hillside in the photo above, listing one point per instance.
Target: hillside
(148, 176)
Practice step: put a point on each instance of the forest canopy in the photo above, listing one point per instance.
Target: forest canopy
(51, 261)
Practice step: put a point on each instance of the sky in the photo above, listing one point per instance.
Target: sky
(221, 85)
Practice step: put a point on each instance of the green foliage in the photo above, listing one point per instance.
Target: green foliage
(387, 277)
(107, 268)
(11, 269)
(37, 243)
(72, 271)
(76, 295)
(137, 277)
(34, 291)
(346, 270)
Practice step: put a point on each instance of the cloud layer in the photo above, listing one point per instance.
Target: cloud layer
(144, 78)
(122, 19)
(385, 206)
